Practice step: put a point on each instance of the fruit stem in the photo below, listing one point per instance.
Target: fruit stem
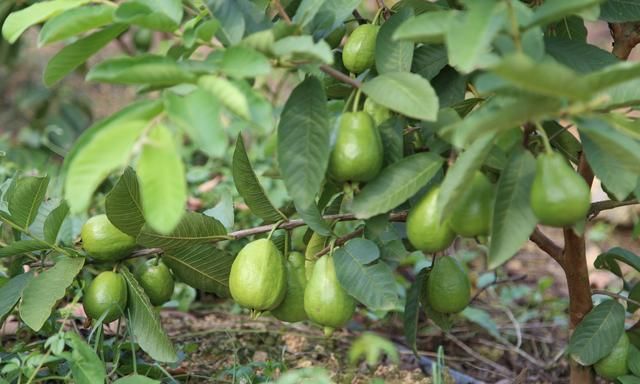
(349, 100)
(356, 101)
(376, 18)
(275, 227)
(545, 138)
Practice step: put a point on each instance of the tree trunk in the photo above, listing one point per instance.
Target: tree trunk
(575, 268)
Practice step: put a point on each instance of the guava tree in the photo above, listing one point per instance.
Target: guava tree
(427, 122)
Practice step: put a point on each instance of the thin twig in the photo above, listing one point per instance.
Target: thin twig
(341, 240)
(329, 70)
(600, 206)
(547, 245)
(614, 295)
(281, 11)
(498, 282)
(499, 368)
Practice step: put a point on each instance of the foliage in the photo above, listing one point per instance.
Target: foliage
(471, 88)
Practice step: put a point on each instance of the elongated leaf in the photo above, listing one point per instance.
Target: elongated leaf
(145, 323)
(86, 366)
(146, 69)
(193, 228)
(140, 110)
(499, 116)
(306, 11)
(428, 60)
(303, 48)
(162, 182)
(612, 75)
(513, 218)
(22, 247)
(107, 150)
(240, 62)
(11, 292)
(201, 266)
(555, 10)
(457, 178)
(597, 333)
(578, 55)
(25, 199)
(429, 27)
(395, 184)
(403, 92)
(412, 310)
(628, 379)
(613, 156)
(44, 290)
(547, 78)
(617, 11)
(136, 379)
(75, 54)
(75, 22)
(393, 56)
(17, 22)
(634, 361)
(483, 319)
(469, 34)
(609, 260)
(53, 222)
(123, 206)
(304, 128)
(371, 284)
(198, 113)
(249, 187)
(228, 94)
(312, 216)
(162, 15)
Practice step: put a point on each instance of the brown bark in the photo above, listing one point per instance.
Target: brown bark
(575, 268)
(625, 37)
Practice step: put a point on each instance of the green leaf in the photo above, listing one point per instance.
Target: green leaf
(628, 379)
(391, 132)
(555, 10)
(162, 181)
(107, 150)
(23, 246)
(578, 55)
(391, 55)
(634, 360)
(241, 61)
(611, 75)
(545, 78)
(450, 86)
(634, 294)
(53, 222)
(312, 216)
(75, 22)
(202, 266)
(614, 157)
(140, 110)
(412, 310)
(513, 219)
(294, 48)
(395, 184)
(17, 22)
(371, 283)
(249, 187)
(483, 319)
(306, 12)
(260, 108)
(500, 115)
(161, 15)
(228, 94)
(609, 260)
(469, 34)
(304, 128)
(25, 199)
(597, 333)
(429, 27)
(198, 113)
(407, 93)
(618, 11)
(457, 178)
(145, 69)
(44, 290)
(86, 366)
(11, 292)
(193, 228)
(568, 28)
(428, 60)
(145, 323)
(136, 379)
(623, 94)
(75, 54)
(123, 206)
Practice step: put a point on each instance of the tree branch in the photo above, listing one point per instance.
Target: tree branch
(625, 37)
(600, 206)
(281, 11)
(547, 245)
(329, 70)
(614, 295)
(341, 240)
